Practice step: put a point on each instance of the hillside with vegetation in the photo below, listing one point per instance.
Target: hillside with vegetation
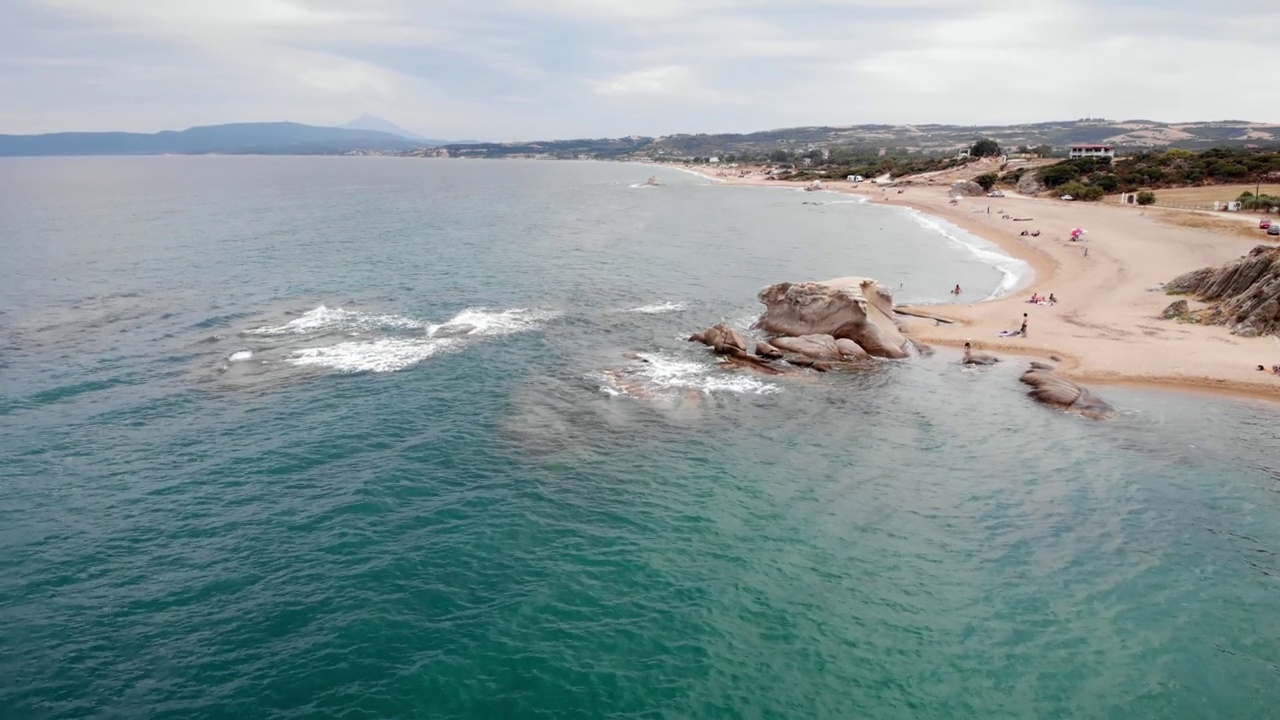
(898, 141)
(1093, 179)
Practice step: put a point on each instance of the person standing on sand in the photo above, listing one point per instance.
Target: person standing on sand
(1023, 330)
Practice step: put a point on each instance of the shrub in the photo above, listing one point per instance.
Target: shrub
(986, 147)
(987, 180)
(1146, 198)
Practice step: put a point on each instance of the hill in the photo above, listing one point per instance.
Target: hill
(863, 140)
(281, 138)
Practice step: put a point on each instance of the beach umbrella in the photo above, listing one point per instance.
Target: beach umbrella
(1075, 232)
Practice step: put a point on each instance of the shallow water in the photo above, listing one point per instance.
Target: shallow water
(383, 438)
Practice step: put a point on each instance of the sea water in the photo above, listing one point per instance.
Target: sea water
(365, 437)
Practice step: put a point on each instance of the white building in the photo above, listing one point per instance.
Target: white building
(1092, 151)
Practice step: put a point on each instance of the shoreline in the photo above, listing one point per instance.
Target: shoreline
(1106, 328)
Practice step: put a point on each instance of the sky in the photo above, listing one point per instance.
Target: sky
(509, 70)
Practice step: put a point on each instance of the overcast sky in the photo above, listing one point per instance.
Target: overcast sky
(527, 69)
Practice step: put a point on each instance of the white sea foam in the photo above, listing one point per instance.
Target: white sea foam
(664, 372)
(658, 308)
(384, 355)
(240, 356)
(387, 343)
(490, 323)
(1013, 271)
(325, 319)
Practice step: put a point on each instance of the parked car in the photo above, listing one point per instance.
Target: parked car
(995, 193)
(1274, 229)
(1265, 223)
(1066, 197)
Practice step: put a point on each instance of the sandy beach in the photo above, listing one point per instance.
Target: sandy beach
(1106, 326)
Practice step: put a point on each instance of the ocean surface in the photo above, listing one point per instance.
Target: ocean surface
(404, 438)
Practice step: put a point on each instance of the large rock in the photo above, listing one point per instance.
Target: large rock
(1029, 183)
(818, 347)
(1243, 294)
(857, 309)
(967, 188)
(721, 338)
(1051, 388)
(765, 350)
(850, 350)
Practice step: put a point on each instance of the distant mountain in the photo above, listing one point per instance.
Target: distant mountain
(280, 138)
(372, 122)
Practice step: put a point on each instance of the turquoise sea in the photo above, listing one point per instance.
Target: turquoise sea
(404, 438)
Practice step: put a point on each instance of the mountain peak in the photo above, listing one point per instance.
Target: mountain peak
(373, 122)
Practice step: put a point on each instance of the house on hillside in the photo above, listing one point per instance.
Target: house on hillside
(1092, 151)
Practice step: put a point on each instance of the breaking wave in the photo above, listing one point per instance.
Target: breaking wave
(385, 355)
(361, 342)
(657, 308)
(658, 373)
(324, 318)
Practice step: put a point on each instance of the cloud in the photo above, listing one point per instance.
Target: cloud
(614, 67)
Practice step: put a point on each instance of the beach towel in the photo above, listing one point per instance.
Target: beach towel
(1009, 333)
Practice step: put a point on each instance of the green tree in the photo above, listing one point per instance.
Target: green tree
(779, 156)
(1146, 198)
(986, 147)
(987, 180)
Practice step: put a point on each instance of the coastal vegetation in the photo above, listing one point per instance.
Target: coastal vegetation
(1093, 178)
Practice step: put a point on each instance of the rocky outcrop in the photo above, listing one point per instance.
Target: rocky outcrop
(1050, 388)
(818, 347)
(1176, 309)
(721, 338)
(967, 188)
(1243, 294)
(765, 350)
(856, 309)
(1029, 184)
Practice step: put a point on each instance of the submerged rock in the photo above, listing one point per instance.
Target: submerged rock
(1243, 294)
(1051, 388)
(978, 358)
(856, 309)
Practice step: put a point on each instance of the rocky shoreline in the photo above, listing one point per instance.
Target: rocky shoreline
(845, 323)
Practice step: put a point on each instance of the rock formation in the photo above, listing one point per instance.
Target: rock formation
(967, 188)
(721, 338)
(1029, 183)
(857, 309)
(765, 350)
(1243, 294)
(1176, 309)
(1051, 388)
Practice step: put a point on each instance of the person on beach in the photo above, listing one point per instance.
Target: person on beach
(1023, 330)
(956, 291)
(1052, 300)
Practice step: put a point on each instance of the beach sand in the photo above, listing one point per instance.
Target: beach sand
(1106, 326)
